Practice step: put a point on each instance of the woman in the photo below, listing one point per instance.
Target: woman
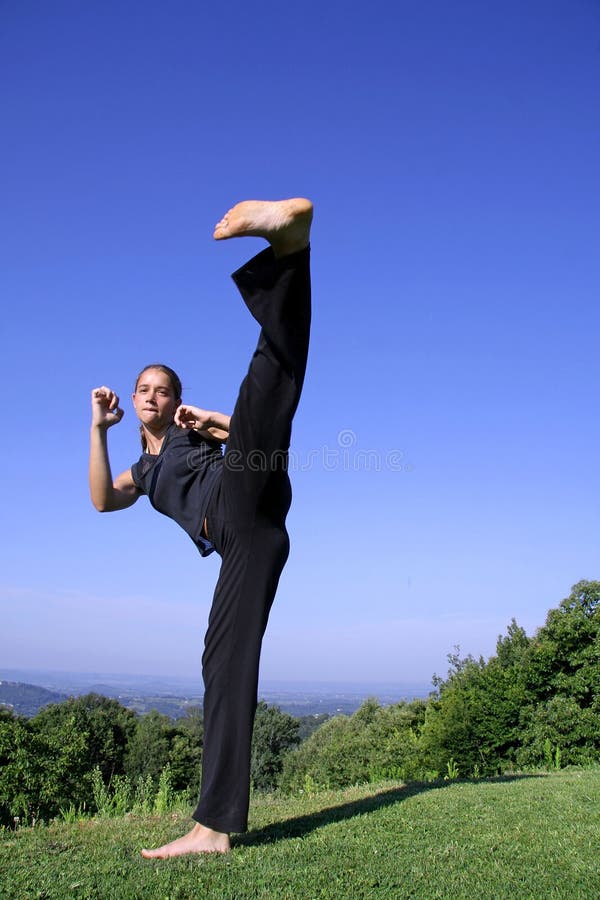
(235, 504)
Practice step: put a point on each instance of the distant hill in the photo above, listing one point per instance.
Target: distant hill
(173, 696)
(27, 699)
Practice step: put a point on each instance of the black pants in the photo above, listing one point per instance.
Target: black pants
(246, 523)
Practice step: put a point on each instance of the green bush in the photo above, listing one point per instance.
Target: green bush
(571, 732)
(374, 743)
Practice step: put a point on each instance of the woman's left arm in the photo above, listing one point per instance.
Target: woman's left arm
(212, 425)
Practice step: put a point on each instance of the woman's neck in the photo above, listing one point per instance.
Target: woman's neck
(154, 440)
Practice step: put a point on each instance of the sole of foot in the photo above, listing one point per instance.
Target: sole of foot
(285, 224)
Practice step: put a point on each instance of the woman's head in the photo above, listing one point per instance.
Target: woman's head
(173, 377)
(156, 397)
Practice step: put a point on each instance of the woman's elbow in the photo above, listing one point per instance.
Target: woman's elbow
(102, 504)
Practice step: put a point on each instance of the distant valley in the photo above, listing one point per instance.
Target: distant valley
(27, 691)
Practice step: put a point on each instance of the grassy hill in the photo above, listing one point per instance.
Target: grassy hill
(524, 836)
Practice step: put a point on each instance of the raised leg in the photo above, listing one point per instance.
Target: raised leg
(277, 293)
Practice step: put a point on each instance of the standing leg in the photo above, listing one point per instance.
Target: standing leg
(253, 559)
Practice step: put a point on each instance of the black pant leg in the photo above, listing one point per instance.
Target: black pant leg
(253, 559)
(277, 293)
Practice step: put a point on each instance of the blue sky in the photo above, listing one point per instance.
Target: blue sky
(445, 465)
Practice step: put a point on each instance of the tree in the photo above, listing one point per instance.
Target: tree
(512, 649)
(40, 773)
(564, 656)
(309, 724)
(108, 727)
(275, 733)
(185, 760)
(149, 747)
(560, 732)
(474, 721)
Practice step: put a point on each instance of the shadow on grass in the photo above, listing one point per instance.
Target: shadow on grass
(299, 826)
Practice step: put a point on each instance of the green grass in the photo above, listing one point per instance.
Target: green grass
(526, 836)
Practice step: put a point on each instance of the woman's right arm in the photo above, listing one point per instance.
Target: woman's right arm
(208, 424)
(107, 495)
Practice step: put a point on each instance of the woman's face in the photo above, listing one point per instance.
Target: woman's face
(154, 400)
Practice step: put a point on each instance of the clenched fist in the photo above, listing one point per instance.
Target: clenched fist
(105, 407)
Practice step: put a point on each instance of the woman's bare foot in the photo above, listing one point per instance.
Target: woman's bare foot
(285, 224)
(199, 840)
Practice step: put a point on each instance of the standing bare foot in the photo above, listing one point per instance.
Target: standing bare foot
(199, 840)
(284, 223)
